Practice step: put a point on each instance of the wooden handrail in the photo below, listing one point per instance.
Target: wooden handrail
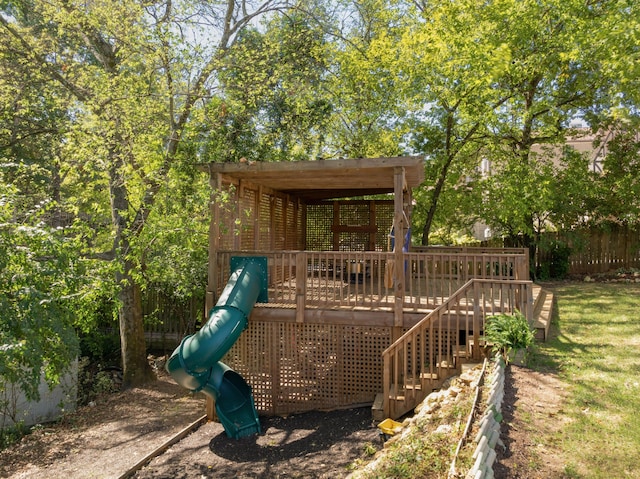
(361, 279)
(430, 351)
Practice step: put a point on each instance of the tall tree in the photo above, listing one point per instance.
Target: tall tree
(136, 72)
(552, 76)
(272, 105)
(362, 86)
(449, 63)
(493, 81)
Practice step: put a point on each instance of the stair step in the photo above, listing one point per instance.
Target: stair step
(461, 351)
(377, 409)
(542, 313)
(446, 365)
(413, 387)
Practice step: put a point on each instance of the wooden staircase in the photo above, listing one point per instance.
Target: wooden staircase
(542, 311)
(434, 349)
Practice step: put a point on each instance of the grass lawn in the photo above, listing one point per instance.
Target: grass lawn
(597, 354)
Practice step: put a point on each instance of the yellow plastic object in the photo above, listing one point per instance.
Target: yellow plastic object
(390, 427)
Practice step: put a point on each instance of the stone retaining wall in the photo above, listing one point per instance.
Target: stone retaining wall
(488, 435)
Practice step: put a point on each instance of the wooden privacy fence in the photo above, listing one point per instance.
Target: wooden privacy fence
(431, 351)
(595, 250)
(334, 279)
(168, 320)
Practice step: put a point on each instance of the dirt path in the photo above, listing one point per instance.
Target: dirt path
(532, 412)
(105, 440)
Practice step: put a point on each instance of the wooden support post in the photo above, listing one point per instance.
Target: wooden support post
(215, 181)
(398, 232)
(237, 228)
(303, 225)
(256, 218)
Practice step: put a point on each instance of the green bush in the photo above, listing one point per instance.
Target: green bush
(12, 434)
(94, 382)
(557, 265)
(508, 332)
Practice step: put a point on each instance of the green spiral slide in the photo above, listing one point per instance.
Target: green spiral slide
(196, 365)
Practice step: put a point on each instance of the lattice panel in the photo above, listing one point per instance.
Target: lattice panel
(354, 241)
(247, 216)
(253, 221)
(354, 213)
(301, 367)
(291, 226)
(319, 220)
(362, 361)
(361, 225)
(278, 220)
(252, 357)
(226, 224)
(384, 220)
(264, 241)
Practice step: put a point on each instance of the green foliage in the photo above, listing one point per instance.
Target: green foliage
(39, 278)
(508, 332)
(95, 382)
(99, 347)
(114, 101)
(557, 265)
(273, 107)
(618, 187)
(12, 434)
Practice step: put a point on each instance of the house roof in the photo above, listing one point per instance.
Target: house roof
(324, 179)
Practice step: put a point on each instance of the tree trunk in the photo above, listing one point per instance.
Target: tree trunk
(136, 368)
(439, 186)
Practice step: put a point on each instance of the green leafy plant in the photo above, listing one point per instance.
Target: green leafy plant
(508, 332)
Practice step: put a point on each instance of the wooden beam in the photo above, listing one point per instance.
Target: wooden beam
(163, 447)
(360, 317)
(398, 233)
(371, 229)
(215, 180)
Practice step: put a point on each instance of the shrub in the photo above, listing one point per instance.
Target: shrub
(508, 332)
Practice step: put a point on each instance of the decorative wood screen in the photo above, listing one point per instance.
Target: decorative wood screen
(301, 367)
(252, 220)
(350, 225)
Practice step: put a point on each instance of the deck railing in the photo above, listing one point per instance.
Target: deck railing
(431, 351)
(336, 279)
